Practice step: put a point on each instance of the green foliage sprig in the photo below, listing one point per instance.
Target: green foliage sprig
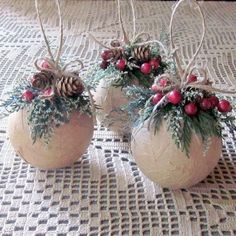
(181, 126)
(45, 114)
(131, 74)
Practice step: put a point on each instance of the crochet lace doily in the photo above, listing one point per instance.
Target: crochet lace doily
(105, 193)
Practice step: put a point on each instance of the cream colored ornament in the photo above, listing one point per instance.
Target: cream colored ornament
(68, 142)
(156, 153)
(110, 99)
(163, 162)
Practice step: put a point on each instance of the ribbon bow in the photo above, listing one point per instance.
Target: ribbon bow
(53, 62)
(181, 81)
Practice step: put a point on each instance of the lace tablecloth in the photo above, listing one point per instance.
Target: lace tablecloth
(105, 193)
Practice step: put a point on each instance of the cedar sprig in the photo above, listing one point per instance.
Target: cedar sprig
(205, 124)
(139, 106)
(132, 73)
(96, 74)
(45, 114)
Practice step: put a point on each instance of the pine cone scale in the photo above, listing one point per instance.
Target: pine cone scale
(69, 86)
(141, 53)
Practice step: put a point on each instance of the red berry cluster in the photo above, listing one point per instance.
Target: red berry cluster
(29, 95)
(208, 103)
(191, 108)
(106, 56)
(147, 67)
(157, 89)
(121, 64)
(109, 56)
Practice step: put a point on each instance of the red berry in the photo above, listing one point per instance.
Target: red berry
(174, 97)
(106, 55)
(146, 68)
(45, 65)
(104, 64)
(154, 63)
(205, 104)
(155, 88)
(190, 109)
(224, 106)
(163, 82)
(192, 78)
(48, 92)
(121, 64)
(27, 95)
(214, 101)
(156, 98)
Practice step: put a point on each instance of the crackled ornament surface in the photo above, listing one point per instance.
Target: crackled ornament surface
(68, 143)
(161, 161)
(110, 100)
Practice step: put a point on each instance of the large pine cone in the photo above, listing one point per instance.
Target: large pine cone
(69, 86)
(141, 53)
(42, 80)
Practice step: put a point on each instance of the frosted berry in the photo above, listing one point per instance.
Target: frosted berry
(163, 82)
(214, 101)
(156, 98)
(224, 106)
(104, 64)
(146, 68)
(175, 97)
(205, 104)
(190, 109)
(45, 65)
(155, 88)
(121, 64)
(27, 95)
(154, 63)
(106, 55)
(48, 92)
(192, 78)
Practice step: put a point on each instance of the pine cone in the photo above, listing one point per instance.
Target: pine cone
(69, 86)
(42, 79)
(116, 53)
(141, 53)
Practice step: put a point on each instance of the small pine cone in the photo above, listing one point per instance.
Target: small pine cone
(69, 86)
(116, 53)
(141, 53)
(42, 79)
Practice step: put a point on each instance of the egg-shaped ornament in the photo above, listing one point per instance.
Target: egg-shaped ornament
(130, 61)
(51, 114)
(177, 140)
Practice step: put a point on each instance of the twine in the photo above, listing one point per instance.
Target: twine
(54, 63)
(137, 39)
(183, 73)
(204, 84)
(43, 32)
